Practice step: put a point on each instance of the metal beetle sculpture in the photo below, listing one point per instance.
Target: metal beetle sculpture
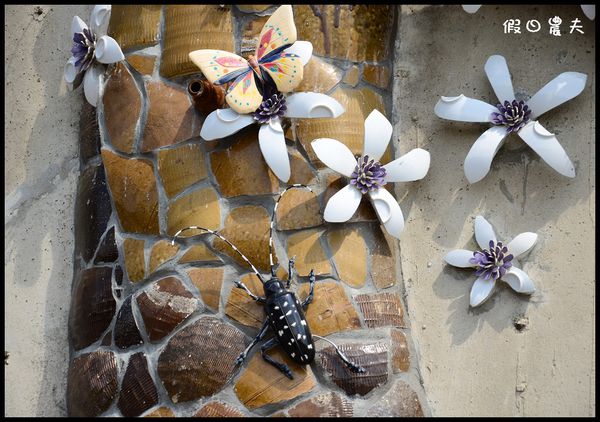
(285, 313)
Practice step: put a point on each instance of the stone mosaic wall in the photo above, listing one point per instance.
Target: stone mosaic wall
(154, 328)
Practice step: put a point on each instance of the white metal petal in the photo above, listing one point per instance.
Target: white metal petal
(100, 18)
(77, 25)
(479, 159)
(272, 144)
(312, 105)
(342, 205)
(497, 72)
(70, 70)
(484, 232)
(518, 280)
(334, 155)
(413, 165)
(471, 8)
(464, 109)
(589, 10)
(91, 84)
(378, 132)
(547, 147)
(303, 49)
(521, 244)
(224, 122)
(459, 258)
(561, 89)
(388, 210)
(481, 291)
(108, 50)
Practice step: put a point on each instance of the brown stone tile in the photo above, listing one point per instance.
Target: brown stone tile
(164, 305)
(92, 306)
(200, 359)
(300, 170)
(121, 93)
(127, 333)
(399, 401)
(107, 340)
(251, 31)
(161, 412)
(107, 251)
(198, 208)
(181, 167)
(241, 168)
(170, 116)
(261, 383)
(217, 409)
(92, 384)
(142, 63)
(162, 251)
(89, 133)
(199, 252)
(253, 8)
(134, 259)
(242, 308)
(280, 414)
(377, 75)
(356, 32)
(319, 76)
(349, 255)
(381, 309)
(306, 247)
(326, 405)
(247, 227)
(209, 282)
(298, 209)
(383, 261)
(400, 352)
(134, 193)
(352, 76)
(135, 26)
(330, 311)
(372, 357)
(193, 27)
(365, 211)
(138, 392)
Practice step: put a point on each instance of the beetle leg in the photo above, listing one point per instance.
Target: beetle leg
(290, 269)
(281, 366)
(260, 335)
(241, 285)
(309, 298)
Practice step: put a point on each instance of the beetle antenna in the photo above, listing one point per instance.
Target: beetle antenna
(224, 240)
(351, 365)
(297, 185)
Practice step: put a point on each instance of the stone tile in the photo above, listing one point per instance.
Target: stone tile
(164, 305)
(319, 76)
(209, 282)
(198, 208)
(170, 116)
(121, 93)
(199, 252)
(349, 255)
(138, 392)
(242, 308)
(161, 412)
(357, 32)
(326, 405)
(107, 251)
(89, 134)
(300, 170)
(400, 352)
(241, 168)
(118, 275)
(92, 211)
(193, 27)
(162, 251)
(107, 340)
(280, 414)
(92, 306)
(134, 193)
(399, 401)
(142, 63)
(372, 357)
(383, 261)
(262, 384)
(298, 209)
(306, 247)
(335, 183)
(251, 31)
(352, 76)
(135, 26)
(217, 409)
(330, 311)
(127, 333)
(92, 384)
(200, 359)
(181, 167)
(247, 227)
(253, 8)
(377, 75)
(381, 309)
(134, 259)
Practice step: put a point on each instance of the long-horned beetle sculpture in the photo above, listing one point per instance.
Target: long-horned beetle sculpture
(285, 313)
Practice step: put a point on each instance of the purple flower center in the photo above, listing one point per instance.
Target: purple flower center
(274, 106)
(84, 46)
(513, 115)
(492, 263)
(367, 175)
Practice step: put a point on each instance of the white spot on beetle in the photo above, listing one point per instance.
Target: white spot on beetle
(288, 312)
(303, 322)
(285, 304)
(299, 336)
(303, 337)
(276, 307)
(305, 356)
(282, 316)
(294, 324)
(309, 346)
(285, 327)
(293, 355)
(280, 333)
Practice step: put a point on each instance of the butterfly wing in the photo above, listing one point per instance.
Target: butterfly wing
(278, 33)
(285, 70)
(243, 95)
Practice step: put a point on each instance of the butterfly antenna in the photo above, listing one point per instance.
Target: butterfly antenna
(351, 365)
